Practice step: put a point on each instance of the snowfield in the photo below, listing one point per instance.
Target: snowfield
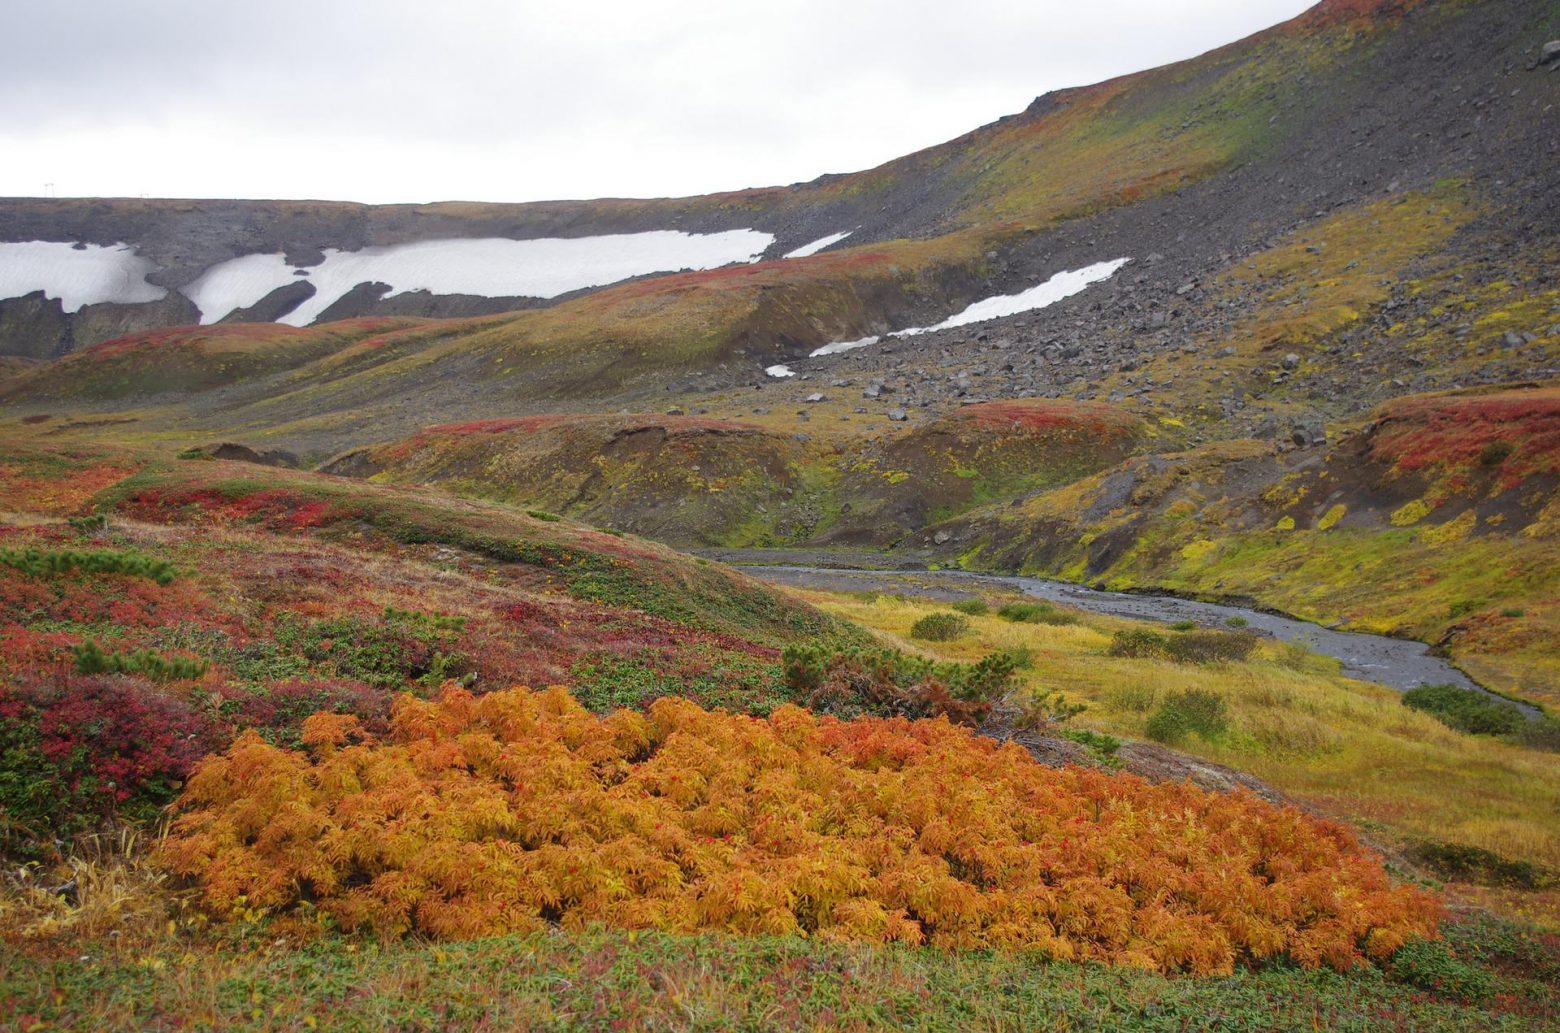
(488, 267)
(780, 371)
(77, 276)
(1062, 285)
(818, 245)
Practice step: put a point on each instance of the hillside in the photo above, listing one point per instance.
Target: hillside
(367, 657)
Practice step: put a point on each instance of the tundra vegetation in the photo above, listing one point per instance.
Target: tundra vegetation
(350, 676)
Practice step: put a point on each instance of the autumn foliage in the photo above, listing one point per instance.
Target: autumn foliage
(1514, 433)
(519, 809)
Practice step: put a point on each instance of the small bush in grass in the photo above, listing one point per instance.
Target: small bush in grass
(1139, 643)
(1190, 647)
(1035, 613)
(1513, 612)
(1046, 711)
(542, 514)
(1461, 863)
(939, 627)
(1022, 656)
(1137, 699)
(1184, 626)
(1183, 713)
(1206, 647)
(1101, 747)
(972, 607)
(1496, 452)
(1466, 710)
(1235, 622)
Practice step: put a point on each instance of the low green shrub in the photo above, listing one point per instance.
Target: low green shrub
(1496, 452)
(91, 659)
(1461, 863)
(1191, 647)
(1139, 643)
(50, 562)
(1035, 613)
(1210, 646)
(1235, 622)
(1184, 626)
(971, 607)
(1431, 965)
(1466, 710)
(542, 514)
(1183, 713)
(939, 627)
(1022, 656)
(1101, 747)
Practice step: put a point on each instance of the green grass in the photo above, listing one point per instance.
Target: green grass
(595, 979)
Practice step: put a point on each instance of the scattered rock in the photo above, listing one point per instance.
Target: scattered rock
(813, 398)
(898, 415)
(1550, 53)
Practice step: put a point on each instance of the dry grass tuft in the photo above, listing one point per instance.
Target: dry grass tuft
(105, 888)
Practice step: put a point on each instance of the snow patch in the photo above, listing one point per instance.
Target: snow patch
(780, 371)
(488, 267)
(1062, 285)
(842, 346)
(818, 245)
(237, 283)
(75, 275)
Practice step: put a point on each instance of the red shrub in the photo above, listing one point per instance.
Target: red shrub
(1516, 432)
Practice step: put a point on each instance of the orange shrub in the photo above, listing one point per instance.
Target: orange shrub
(518, 809)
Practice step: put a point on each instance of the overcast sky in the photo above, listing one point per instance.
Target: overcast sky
(393, 100)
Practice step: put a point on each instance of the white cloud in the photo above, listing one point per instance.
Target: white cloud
(395, 100)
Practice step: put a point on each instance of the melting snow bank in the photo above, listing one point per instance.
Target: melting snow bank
(780, 371)
(842, 346)
(76, 274)
(1062, 285)
(488, 267)
(818, 245)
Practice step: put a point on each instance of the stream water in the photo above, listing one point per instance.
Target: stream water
(1400, 664)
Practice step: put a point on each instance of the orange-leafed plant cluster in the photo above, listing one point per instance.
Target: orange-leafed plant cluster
(514, 810)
